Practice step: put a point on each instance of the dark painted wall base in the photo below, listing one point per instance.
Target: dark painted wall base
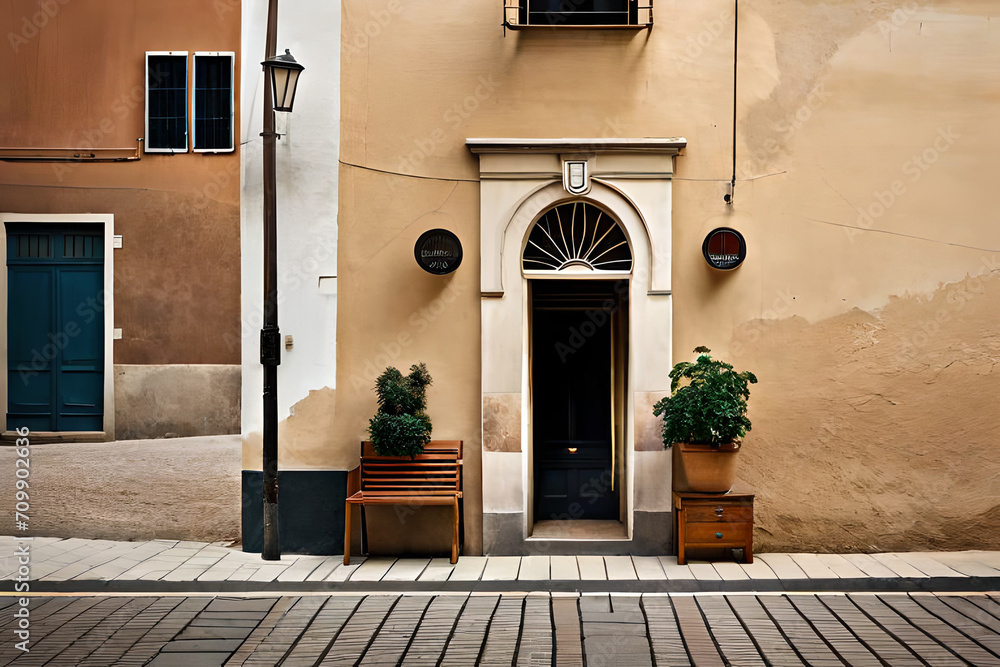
(651, 536)
(652, 533)
(310, 511)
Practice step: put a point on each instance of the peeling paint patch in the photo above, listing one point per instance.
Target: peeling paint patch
(878, 431)
(304, 437)
(502, 422)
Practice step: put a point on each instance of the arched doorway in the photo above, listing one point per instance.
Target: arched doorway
(523, 182)
(578, 260)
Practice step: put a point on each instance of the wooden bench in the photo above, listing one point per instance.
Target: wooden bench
(431, 478)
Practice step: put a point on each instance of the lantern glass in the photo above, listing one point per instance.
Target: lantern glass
(283, 82)
(284, 78)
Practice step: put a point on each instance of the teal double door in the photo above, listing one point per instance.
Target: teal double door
(55, 327)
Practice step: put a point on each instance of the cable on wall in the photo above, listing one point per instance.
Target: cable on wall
(736, 35)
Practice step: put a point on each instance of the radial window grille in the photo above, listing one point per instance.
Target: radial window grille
(577, 237)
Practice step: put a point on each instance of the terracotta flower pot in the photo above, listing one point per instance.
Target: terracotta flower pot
(704, 468)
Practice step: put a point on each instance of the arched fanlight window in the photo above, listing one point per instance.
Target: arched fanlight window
(577, 237)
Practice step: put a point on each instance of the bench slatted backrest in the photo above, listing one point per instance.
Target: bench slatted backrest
(435, 472)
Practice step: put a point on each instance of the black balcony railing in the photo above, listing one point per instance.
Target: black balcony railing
(578, 13)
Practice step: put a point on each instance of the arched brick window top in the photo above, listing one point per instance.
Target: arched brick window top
(577, 237)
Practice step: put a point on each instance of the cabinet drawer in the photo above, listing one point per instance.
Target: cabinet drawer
(718, 512)
(721, 533)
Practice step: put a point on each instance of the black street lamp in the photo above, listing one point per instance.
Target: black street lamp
(283, 72)
(284, 77)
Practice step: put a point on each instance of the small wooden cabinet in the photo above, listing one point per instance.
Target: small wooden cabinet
(713, 520)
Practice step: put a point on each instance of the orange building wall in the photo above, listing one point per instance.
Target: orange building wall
(72, 76)
(78, 82)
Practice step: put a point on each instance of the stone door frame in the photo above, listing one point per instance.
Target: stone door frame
(520, 180)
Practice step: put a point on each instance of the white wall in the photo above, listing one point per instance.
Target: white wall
(307, 203)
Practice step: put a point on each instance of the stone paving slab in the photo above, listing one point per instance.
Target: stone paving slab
(439, 569)
(188, 660)
(252, 605)
(214, 632)
(75, 565)
(436, 626)
(620, 568)
(225, 622)
(731, 571)
(180, 645)
(503, 568)
(768, 636)
(871, 567)
(468, 568)
(841, 567)
(592, 568)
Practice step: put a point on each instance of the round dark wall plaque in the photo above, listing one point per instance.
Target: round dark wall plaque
(438, 251)
(724, 248)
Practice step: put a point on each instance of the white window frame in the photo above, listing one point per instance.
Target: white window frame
(232, 101)
(187, 87)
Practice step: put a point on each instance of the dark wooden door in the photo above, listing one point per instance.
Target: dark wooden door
(572, 409)
(55, 327)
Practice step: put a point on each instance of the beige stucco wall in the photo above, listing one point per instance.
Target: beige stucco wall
(876, 410)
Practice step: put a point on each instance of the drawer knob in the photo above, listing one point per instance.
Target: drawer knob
(718, 511)
(718, 536)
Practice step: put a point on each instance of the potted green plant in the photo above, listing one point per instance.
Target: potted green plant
(401, 426)
(706, 416)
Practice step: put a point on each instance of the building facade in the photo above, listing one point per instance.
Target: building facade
(119, 196)
(582, 155)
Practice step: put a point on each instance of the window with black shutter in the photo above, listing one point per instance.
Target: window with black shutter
(166, 102)
(213, 102)
(578, 13)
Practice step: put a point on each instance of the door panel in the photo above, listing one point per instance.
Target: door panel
(30, 355)
(55, 327)
(572, 418)
(81, 373)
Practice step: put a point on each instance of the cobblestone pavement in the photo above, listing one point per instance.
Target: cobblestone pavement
(132, 489)
(509, 629)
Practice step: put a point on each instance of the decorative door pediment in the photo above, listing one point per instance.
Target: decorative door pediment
(627, 181)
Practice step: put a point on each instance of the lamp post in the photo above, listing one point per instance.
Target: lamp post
(283, 74)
